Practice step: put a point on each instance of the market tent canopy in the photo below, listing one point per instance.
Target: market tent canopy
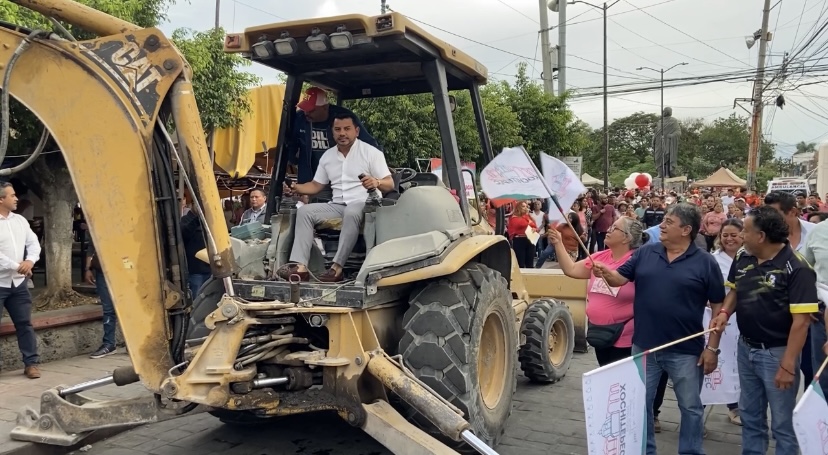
(722, 178)
(588, 180)
(236, 148)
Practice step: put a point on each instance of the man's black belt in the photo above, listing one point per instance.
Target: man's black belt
(763, 345)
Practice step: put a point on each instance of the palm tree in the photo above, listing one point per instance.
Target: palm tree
(802, 147)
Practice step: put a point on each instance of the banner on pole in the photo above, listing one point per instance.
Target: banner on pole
(511, 176)
(810, 419)
(722, 385)
(614, 405)
(563, 182)
(468, 180)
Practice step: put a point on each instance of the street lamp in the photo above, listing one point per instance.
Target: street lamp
(664, 159)
(606, 120)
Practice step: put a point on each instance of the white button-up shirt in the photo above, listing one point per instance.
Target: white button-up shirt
(342, 172)
(15, 237)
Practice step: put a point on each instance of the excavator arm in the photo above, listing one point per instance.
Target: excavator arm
(105, 102)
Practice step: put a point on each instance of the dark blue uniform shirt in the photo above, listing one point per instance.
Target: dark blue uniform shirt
(670, 297)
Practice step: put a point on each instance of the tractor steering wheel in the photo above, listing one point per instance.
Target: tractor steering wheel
(406, 174)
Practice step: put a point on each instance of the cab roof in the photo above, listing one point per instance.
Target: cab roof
(385, 59)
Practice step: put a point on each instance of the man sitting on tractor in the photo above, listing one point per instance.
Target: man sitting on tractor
(351, 167)
(313, 130)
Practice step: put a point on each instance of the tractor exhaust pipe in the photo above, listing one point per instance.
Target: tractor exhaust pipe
(447, 420)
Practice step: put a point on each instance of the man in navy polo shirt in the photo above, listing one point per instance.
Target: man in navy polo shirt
(674, 281)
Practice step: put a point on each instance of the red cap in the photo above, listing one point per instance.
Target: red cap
(314, 97)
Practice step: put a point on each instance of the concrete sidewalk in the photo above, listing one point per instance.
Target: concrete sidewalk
(17, 391)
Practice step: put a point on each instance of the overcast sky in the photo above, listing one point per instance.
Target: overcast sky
(709, 35)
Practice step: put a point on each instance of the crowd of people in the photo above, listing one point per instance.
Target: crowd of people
(658, 261)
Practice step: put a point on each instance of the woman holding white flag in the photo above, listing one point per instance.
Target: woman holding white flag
(610, 310)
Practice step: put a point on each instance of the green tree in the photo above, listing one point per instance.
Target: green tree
(726, 142)
(48, 176)
(802, 147)
(545, 119)
(220, 87)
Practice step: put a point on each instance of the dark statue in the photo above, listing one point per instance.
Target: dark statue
(665, 151)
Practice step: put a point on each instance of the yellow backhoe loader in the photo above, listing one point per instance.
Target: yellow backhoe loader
(419, 347)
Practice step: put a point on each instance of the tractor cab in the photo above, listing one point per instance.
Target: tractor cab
(355, 57)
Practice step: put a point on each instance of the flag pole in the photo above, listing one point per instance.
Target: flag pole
(673, 343)
(821, 369)
(554, 198)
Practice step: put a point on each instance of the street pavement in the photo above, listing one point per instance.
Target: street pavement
(17, 391)
(547, 419)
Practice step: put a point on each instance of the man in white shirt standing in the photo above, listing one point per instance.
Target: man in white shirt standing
(351, 168)
(17, 240)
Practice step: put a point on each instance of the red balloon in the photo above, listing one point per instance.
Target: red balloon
(641, 181)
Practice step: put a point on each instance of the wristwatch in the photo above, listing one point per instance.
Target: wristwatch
(716, 351)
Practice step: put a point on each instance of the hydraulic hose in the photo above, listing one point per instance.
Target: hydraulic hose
(44, 139)
(4, 98)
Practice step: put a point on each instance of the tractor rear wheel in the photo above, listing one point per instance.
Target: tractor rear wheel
(550, 341)
(460, 340)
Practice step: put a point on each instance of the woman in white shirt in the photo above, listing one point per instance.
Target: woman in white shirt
(541, 220)
(726, 245)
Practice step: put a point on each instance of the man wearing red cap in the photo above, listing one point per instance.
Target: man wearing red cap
(312, 132)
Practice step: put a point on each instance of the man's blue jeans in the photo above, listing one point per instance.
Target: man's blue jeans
(196, 280)
(757, 370)
(818, 340)
(687, 379)
(548, 252)
(110, 320)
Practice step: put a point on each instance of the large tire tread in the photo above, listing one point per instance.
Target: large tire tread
(534, 354)
(441, 324)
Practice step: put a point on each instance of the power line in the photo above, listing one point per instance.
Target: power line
(517, 11)
(260, 10)
(686, 34)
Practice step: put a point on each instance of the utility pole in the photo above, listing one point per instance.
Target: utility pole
(546, 58)
(562, 48)
(661, 72)
(218, 12)
(383, 7)
(758, 104)
(606, 107)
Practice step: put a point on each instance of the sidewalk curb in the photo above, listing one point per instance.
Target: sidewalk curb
(31, 448)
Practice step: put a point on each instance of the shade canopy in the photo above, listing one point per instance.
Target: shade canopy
(588, 180)
(721, 178)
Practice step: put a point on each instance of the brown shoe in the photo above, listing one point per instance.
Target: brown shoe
(286, 272)
(32, 372)
(656, 426)
(330, 276)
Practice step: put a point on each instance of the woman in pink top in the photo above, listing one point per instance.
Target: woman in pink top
(712, 224)
(607, 305)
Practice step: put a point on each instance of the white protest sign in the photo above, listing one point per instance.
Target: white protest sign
(614, 405)
(810, 420)
(722, 385)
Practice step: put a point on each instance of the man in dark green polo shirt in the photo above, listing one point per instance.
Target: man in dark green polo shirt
(775, 295)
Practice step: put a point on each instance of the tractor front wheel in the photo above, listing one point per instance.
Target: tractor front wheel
(460, 341)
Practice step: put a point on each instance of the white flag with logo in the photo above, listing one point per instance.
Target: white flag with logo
(810, 419)
(722, 385)
(511, 176)
(614, 405)
(563, 183)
